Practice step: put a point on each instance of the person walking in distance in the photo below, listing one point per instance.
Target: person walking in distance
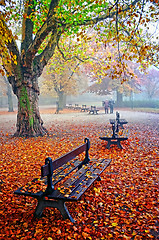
(106, 106)
(111, 105)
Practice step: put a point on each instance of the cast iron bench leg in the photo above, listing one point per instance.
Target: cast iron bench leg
(39, 209)
(64, 211)
(99, 178)
(108, 144)
(119, 145)
(60, 205)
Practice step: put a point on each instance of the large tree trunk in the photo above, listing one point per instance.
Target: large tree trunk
(29, 122)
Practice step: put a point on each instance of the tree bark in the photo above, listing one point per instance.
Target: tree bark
(29, 122)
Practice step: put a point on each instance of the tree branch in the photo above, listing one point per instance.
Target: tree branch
(44, 31)
(74, 57)
(27, 27)
(74, 70)
(108, 15)
(41, 60)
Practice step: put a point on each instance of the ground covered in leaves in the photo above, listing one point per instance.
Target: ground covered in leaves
(123, 205)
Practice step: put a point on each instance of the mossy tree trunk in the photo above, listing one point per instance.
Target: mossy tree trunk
(24, 73)
(29, 122)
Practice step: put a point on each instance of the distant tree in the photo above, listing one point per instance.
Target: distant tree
(9, 94)
(62, 85)
(62, 74)
(106, 77)
(7, 90)
(150, 83)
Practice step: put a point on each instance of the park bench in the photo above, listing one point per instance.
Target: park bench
(70, 106)
(84, 108)
(116, 137)
(77, 107)
(64, 180)
(93, 110)
(120, 121)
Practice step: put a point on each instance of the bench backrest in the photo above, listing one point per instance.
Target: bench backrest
(117, 116)
(93, 107)
(50, 166)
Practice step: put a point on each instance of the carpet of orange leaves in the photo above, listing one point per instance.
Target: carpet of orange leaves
(123, 205)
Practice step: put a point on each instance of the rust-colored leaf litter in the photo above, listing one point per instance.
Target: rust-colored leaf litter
(123, 205)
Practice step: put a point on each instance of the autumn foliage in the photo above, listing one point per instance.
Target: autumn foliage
(123, 205)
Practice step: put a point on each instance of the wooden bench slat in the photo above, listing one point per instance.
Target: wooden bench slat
(89, 179)
(59, 175)
(62, 160)
(78, 180)
(29, 194)
(123, 121)
(27, 190)
(73, 180)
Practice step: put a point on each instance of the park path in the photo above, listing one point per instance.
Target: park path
(49, 116)
(8, 120)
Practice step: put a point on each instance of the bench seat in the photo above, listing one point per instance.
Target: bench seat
(78, 183)
(114, 141)
(77, 107)
(73, 188)
(120, 122)
(115, 138)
